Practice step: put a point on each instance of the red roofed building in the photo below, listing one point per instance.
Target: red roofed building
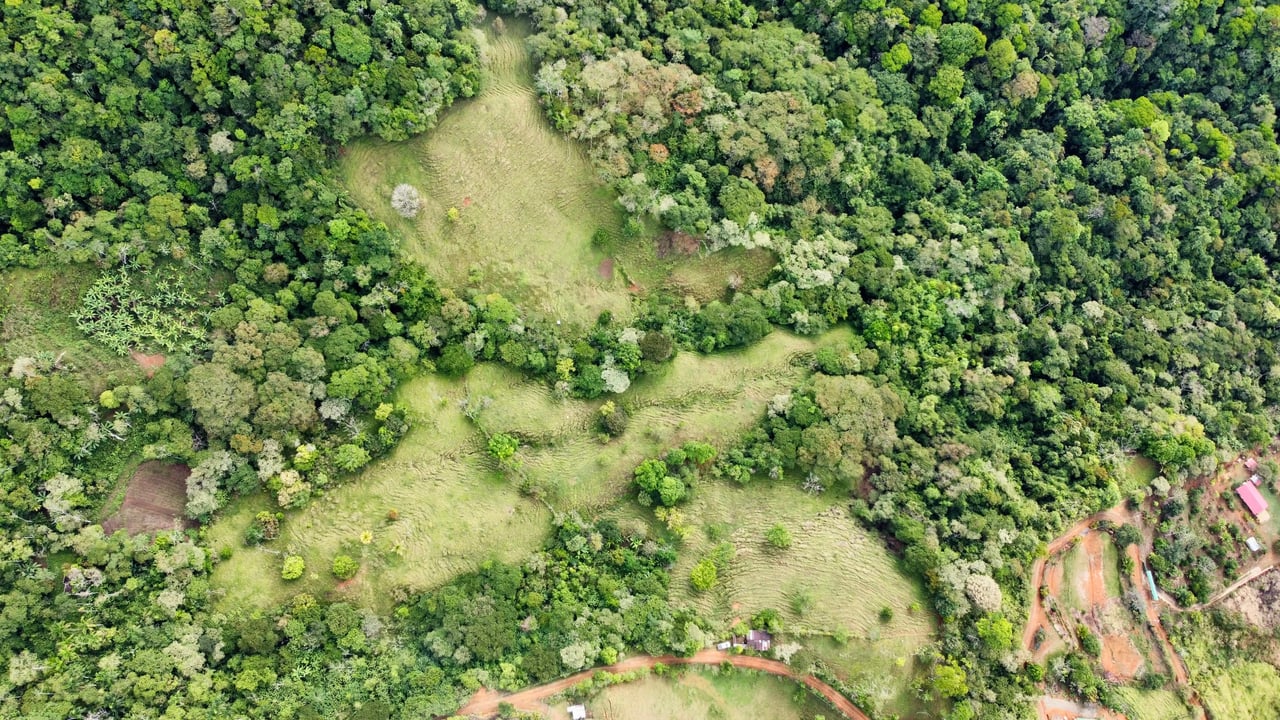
(1251, 464)
(1254, 500)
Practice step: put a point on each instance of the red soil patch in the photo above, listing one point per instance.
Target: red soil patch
(674, 242)
(1120, 658)
(148, 363)
(606, 269)
(466, 201)
(154, 500)
(1093, 586)
(1053, 578)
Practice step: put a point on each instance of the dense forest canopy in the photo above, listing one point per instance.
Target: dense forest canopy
(1051, 225)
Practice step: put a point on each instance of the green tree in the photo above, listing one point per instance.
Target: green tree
(345, 567)
(779, 537)
(293, 568)
(703, 575)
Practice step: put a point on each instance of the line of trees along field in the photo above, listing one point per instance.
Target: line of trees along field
(1052, 226)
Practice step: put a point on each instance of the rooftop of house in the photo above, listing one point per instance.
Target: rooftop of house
(1252, 498)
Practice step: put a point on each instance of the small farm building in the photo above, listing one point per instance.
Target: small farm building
(577, 712)
(1254, 545)
(1254, 501)
(1251, 464)
(759, 640)
(724, 645)
(1151, 583)
(1256, 479)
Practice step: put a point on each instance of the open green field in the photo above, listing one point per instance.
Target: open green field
(456, 510)
(834, 579)
(1152, 704)
(1137, 473)
(1111, 567)
(35, 317)
(704, 695)
(528, 202)
(1075, 565)
(1246, 691)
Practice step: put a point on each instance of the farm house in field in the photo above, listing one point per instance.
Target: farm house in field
(1251, 465)
(577, 712)
(1254, 545)
(1254, 501)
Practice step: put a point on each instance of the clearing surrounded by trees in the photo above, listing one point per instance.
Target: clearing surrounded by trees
(154, 499)
(443, 466)
(509, 204)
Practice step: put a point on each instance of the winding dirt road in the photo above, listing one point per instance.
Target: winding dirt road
(485, 702)
(1038, 617)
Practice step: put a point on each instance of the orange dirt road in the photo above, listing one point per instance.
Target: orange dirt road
(1038, 617)
(485, 702)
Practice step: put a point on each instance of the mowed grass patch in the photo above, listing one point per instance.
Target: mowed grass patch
(528, 200)
(1152, 704)
(1110, 566)
(1075, 573)
(883, 669)
(1137, 473)
(456, 509)
(1246, 691)
(704, 695)
(836, 576)
(36, 310)
(453, 511)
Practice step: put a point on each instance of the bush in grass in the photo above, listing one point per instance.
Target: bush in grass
(345, 567)
(503, 447)
(293, 568)
(613, 419)
(703, 575)
(406, 200)
(779, 537)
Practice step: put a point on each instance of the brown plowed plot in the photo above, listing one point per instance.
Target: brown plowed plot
(1119, 657)
(154, 500)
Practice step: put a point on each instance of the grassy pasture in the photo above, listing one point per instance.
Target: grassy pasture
(1152, 704)
(835, 577)
(709, 695)
(528, 198)
(456, 510)
(1246, 691)
(528, 202)
(35, 316)
(1075, 564)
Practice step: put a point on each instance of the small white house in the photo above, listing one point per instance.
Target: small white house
(724, 645)
(577, 712)
(1254, 545)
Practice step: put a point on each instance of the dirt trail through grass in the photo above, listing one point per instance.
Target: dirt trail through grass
(485, 702)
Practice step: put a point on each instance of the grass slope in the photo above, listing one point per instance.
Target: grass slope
(703, 694)
(528, 200)
(1247, 691)
(456, 510)
(834, 579)
(1152, 704)
(35, 317)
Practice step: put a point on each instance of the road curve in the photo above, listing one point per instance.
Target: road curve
(485, 702)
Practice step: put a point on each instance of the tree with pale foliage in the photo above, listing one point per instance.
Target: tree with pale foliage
(406, 200)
